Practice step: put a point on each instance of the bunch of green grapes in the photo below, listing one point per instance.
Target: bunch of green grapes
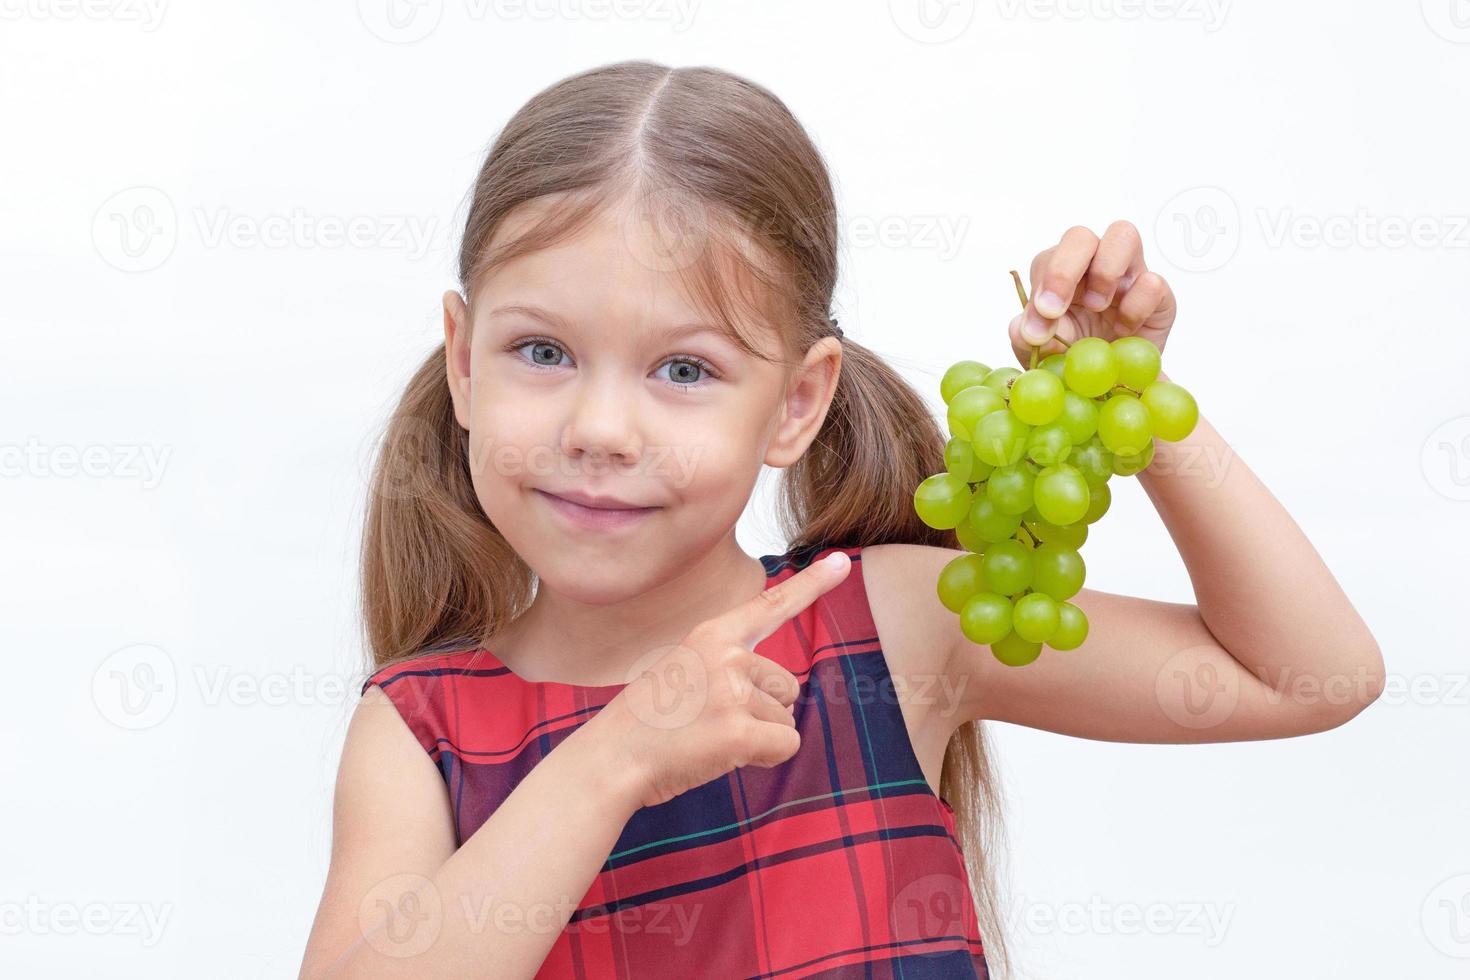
(1027, 472)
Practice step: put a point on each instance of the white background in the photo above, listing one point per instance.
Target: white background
(225, 392)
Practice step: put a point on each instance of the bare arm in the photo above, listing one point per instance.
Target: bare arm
(1273, 648)
(400, 901)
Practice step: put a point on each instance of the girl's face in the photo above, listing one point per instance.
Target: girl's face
(585, 372)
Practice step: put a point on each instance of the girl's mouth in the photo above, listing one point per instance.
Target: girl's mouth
(595, 518)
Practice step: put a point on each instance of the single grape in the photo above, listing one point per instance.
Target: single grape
(986, 617)
(1053, 363)
(1061, 494)
(961, 375)
(1138, 362)
(1048, 444)
(1071, 628)
(969, 406)
(1171, 408)
(1034, 617)
(1079, 418)
(1123, 424)
(989, 521)
(1000, 438)
(1008, 567)
(1000, 379)
(1102, 499)
(1015, 651)
(960, 579)
(1009, 488)
(1058, 570)
(1093, 460)
(1090, 368)
(970, 538)
(1136, 463)
(1037, 397)
(1072, 535)
(960, 459)
(943, 500)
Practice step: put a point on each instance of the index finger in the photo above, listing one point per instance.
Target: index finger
(759, 617)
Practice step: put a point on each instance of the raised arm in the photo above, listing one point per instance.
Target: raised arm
(1272, 647)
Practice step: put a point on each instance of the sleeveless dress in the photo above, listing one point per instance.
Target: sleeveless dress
(839, 863)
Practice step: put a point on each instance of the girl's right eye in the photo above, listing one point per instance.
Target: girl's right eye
(544, 353)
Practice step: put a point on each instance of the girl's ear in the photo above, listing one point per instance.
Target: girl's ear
(457, 354)
(804, 407)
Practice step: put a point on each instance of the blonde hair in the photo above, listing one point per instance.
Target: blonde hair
(723, 160)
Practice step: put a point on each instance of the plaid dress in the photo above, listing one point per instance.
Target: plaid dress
(839, 863)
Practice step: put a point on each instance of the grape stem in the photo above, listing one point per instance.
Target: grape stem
(1021, 292)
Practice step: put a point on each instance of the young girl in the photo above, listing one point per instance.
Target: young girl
(600, 739)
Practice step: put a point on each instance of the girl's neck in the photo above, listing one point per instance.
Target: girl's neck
(563, 640)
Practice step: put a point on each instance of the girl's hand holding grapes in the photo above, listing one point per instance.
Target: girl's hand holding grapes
(1085, 286)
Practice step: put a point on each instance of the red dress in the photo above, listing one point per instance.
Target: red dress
(840, 862)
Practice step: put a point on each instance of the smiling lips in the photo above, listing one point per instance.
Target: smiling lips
(601, 518)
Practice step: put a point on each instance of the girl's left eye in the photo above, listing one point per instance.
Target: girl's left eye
(688, 369)
(548, 353)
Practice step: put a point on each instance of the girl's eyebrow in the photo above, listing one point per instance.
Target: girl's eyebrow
(560, 323)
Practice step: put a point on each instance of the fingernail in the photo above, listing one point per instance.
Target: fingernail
(1050, 304)
(1034, 331)
(836, 559)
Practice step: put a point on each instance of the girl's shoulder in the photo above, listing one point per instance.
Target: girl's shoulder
(892, 588)
(900, 581)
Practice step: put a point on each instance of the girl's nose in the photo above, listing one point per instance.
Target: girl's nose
(603, 423)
